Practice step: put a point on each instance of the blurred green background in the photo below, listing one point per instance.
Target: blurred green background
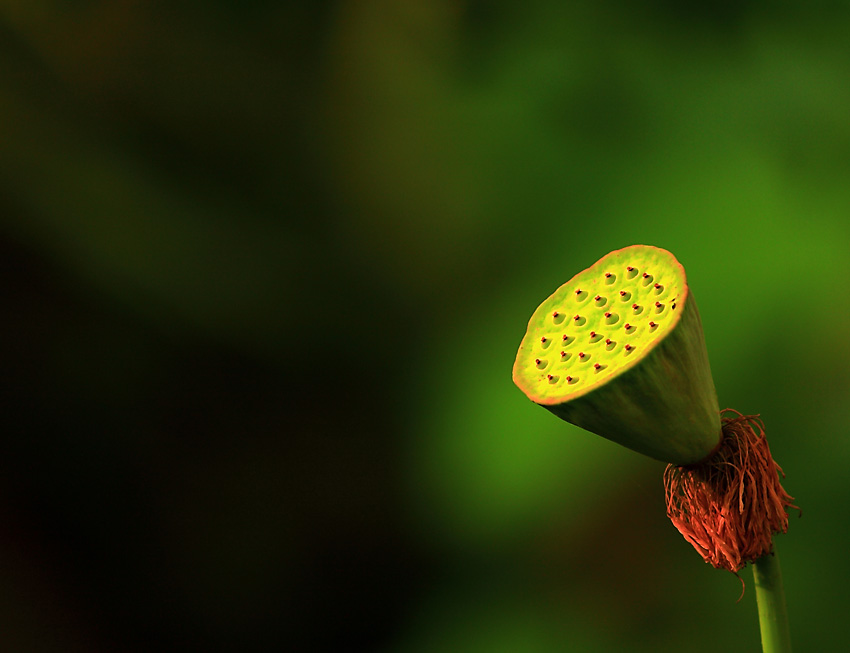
(265, 270)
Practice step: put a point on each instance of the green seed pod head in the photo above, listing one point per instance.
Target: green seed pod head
(619, 351)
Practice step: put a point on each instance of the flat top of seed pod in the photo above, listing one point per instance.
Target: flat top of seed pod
(600, 323)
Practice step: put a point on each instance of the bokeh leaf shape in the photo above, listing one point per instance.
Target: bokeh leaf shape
(619, 350)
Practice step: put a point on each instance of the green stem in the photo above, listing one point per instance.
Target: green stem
(770, 595)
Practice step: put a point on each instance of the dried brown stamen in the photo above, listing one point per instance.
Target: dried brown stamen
(729, 506)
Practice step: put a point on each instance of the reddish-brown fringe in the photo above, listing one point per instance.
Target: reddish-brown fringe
(730, 506)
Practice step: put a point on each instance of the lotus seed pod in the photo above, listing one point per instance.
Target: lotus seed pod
(619, 351)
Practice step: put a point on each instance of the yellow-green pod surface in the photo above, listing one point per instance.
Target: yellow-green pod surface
(619, 351)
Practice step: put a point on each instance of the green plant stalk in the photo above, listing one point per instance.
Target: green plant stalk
(770, 595)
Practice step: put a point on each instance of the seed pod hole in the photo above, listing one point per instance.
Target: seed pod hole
(625, 295)
(579, 320)
(545, 342)
(653, 326)
(600, 300)
(637, 309)
(541, 363)
(583, 357)
(631, 272)
(595, 337)
(611, 318)
(558, 317)
(571, 379)
(581, 295)
(628, 349)
(610, 278)
(553, 378)
(658, 288)
(565, 356)
(565, 339)
(598, 367)
(610, 344)
(659, 307)
(630, 328)
(647, 278)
